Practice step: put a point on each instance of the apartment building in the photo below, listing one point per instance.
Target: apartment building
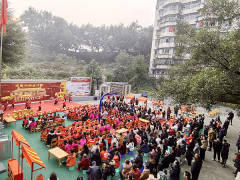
(163, 45)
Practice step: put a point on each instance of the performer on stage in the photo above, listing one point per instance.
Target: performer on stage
(13, 102)
(56, 101)
(28, 104)
(65, 97)
(64, 104)
(40, 106)
(70, 97)
(5, 106)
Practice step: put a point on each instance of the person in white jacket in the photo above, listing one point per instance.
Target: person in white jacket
(130, 146)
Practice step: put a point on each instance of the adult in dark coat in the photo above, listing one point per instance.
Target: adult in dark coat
(138, 160)
(231, 115)
(145, 147)
(189, 154)
(51, 136)
(108, 170)
(226, 125)
(157, 155)
(175, 173)
(237, 162)
(165, 161)
(96, 157)
(225, 151)
(217, 148)
(238, 143)
(179, 151)
(94, 172)
(123, 148)
(196, 167)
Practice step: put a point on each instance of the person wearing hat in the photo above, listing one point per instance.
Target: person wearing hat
(165, 161)
(187, 175)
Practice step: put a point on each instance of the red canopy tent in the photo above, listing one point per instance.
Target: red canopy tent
(142, 99)
(31, 157)
(19, 139)
(130, 96)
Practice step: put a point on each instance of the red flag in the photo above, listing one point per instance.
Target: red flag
(171, 29)
(4, 19)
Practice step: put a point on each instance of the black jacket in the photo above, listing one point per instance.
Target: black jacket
(94, 173)
(172, 156)
(225, 150)
(96, 157)
(165, 162)
(238, 142)
(217, 146)
(108, 171)
(226, 124)
(179, 151)
(138, 161)
(196, 167)
(175, 173)
(157, 156)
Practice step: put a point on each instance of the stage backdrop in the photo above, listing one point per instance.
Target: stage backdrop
(79, 86)
(37, 89)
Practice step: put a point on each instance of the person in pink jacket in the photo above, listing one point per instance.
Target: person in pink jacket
(69, 146)
(138, 138)
(32, 125)
(92, 116)
(83, 141)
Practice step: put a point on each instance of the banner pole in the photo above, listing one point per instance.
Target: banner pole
(1, 66)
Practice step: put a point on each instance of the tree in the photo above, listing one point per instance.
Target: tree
(213, 71)
(14, 42)
(93, 71)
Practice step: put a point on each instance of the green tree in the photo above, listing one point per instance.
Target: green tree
(14, 42)
(213, 71)
(93, 71)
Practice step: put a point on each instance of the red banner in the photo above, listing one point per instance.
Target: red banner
(33, 91)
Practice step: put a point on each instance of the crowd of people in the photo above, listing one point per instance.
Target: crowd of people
(167, 143)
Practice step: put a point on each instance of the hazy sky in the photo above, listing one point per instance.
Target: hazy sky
(96, 12)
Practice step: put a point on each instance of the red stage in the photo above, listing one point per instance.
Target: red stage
(48, 105)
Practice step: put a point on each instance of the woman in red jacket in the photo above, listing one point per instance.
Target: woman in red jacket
(84, 163)
(123, 148)
(117, 159)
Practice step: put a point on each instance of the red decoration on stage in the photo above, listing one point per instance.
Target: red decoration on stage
(4, 19)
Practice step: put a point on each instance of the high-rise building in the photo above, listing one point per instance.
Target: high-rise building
(163, 46)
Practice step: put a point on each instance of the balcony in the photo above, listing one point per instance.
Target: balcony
(171, 2)
(188, 1)
(189, 11)
(168, 23)
(167, 34)
(166, 45)
(163, 56)
(169, 12)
